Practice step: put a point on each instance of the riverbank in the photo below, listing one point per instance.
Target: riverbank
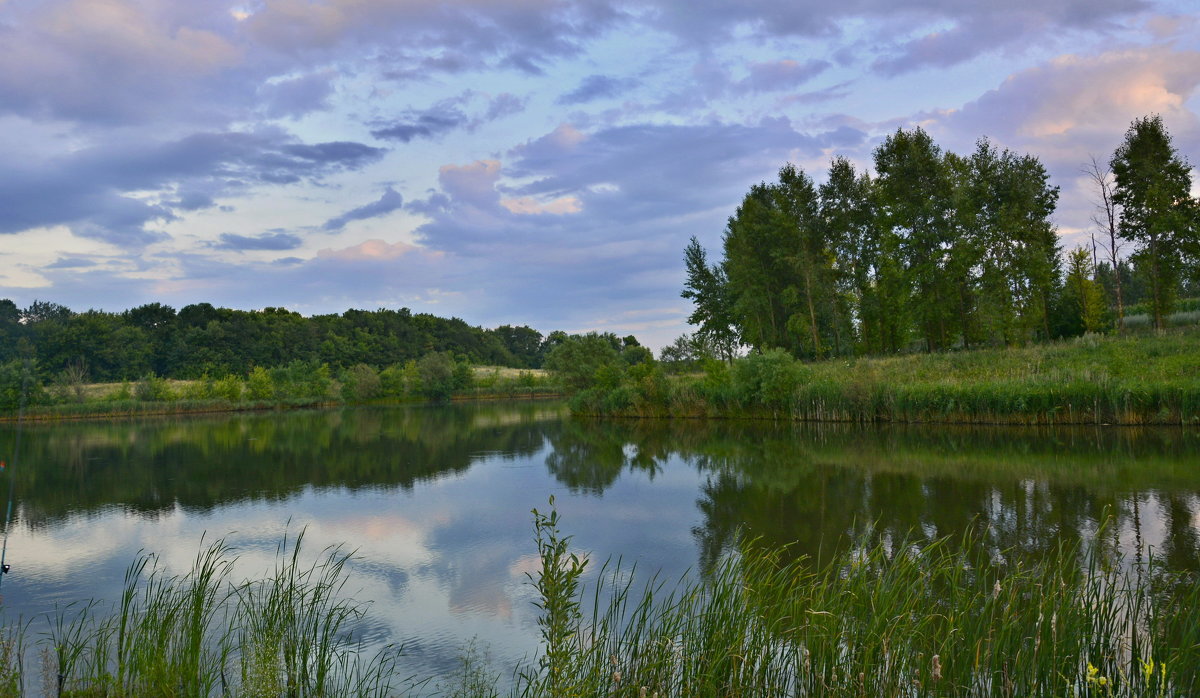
(1132, 380)
(298, 385)
(118, 409)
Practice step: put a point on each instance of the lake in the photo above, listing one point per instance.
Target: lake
(436, 501)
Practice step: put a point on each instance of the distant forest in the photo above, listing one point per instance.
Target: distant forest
(201, 339)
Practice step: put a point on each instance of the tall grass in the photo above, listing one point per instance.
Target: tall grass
(888, 617)
(200, 634)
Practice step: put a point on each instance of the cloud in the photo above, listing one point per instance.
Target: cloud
(266, 241)
(595, 87)
(116, 61)
(780, 75)
(390, 201)
(447, 116)
(295, 97)
(115, 191)
(71, 263)
(373, 250)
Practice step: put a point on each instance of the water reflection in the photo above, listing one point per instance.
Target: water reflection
(437, 500)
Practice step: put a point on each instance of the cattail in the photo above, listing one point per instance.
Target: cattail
(937, 668)
(996, 590)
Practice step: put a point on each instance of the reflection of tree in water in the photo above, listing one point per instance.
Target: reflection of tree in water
(815, 488)
(589, 456)
(150, 466)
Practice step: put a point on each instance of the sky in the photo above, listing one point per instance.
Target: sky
(524, 162)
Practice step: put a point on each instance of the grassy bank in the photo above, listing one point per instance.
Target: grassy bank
(1145, 379)
(291, 387)
(954, 617)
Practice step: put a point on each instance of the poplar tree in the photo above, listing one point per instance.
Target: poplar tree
(914, 200)
(1153, 188)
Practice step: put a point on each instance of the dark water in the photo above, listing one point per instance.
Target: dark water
(437, 500)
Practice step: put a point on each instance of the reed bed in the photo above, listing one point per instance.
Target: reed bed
(888, 618)
(199, 634)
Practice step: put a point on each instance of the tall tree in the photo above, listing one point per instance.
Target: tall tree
(914, 199)
(1106, 218)
(849, 230)
(1153, 188)
(708, 289)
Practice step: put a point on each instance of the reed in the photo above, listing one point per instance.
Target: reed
(887, 617)
(890, 618)
(201, 634)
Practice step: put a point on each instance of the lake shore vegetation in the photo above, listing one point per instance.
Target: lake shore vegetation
(1094, 379)
(948, 617)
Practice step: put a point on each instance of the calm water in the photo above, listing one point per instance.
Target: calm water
(436, 500)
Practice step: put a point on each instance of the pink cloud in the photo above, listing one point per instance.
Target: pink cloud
(373, 250)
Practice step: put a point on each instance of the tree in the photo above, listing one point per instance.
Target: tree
(1153, 188)
(708, 289)
(1082, 294)
(581, 359)
(914, 200)
(848, 222)
(1106, 218)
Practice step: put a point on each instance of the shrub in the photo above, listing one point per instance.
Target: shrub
(151, 388)
(258, 385)
(228, 388)
(360, 383)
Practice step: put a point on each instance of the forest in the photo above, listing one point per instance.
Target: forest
(938, 251)
(201, 340)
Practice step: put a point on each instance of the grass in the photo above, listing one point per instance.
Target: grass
(888, 617)
(200, 634)
(1140, 379)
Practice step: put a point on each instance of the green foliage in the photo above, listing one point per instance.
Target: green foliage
(200, 339)
(302, 380)
(259, 386)
(1153, 188)
(951, 250)
(436, 375)
(1094, 380)
(769, 379)
(360, 383)
(583, 360)
(19, 385)
(557, 584)
(1082, 295)
(229, 388)
(151, 388)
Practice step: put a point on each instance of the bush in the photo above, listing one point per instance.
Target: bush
(151, 388)
(258, 385)
(228, 388)
(769, 379)
(360, 383)
(19, 380)
(436, 372)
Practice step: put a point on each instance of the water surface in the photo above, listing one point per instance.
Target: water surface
(436, 500)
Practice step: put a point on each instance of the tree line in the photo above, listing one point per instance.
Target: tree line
(936, 250)
(201, 340)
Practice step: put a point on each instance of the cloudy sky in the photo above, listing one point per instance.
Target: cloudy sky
(538, 162)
